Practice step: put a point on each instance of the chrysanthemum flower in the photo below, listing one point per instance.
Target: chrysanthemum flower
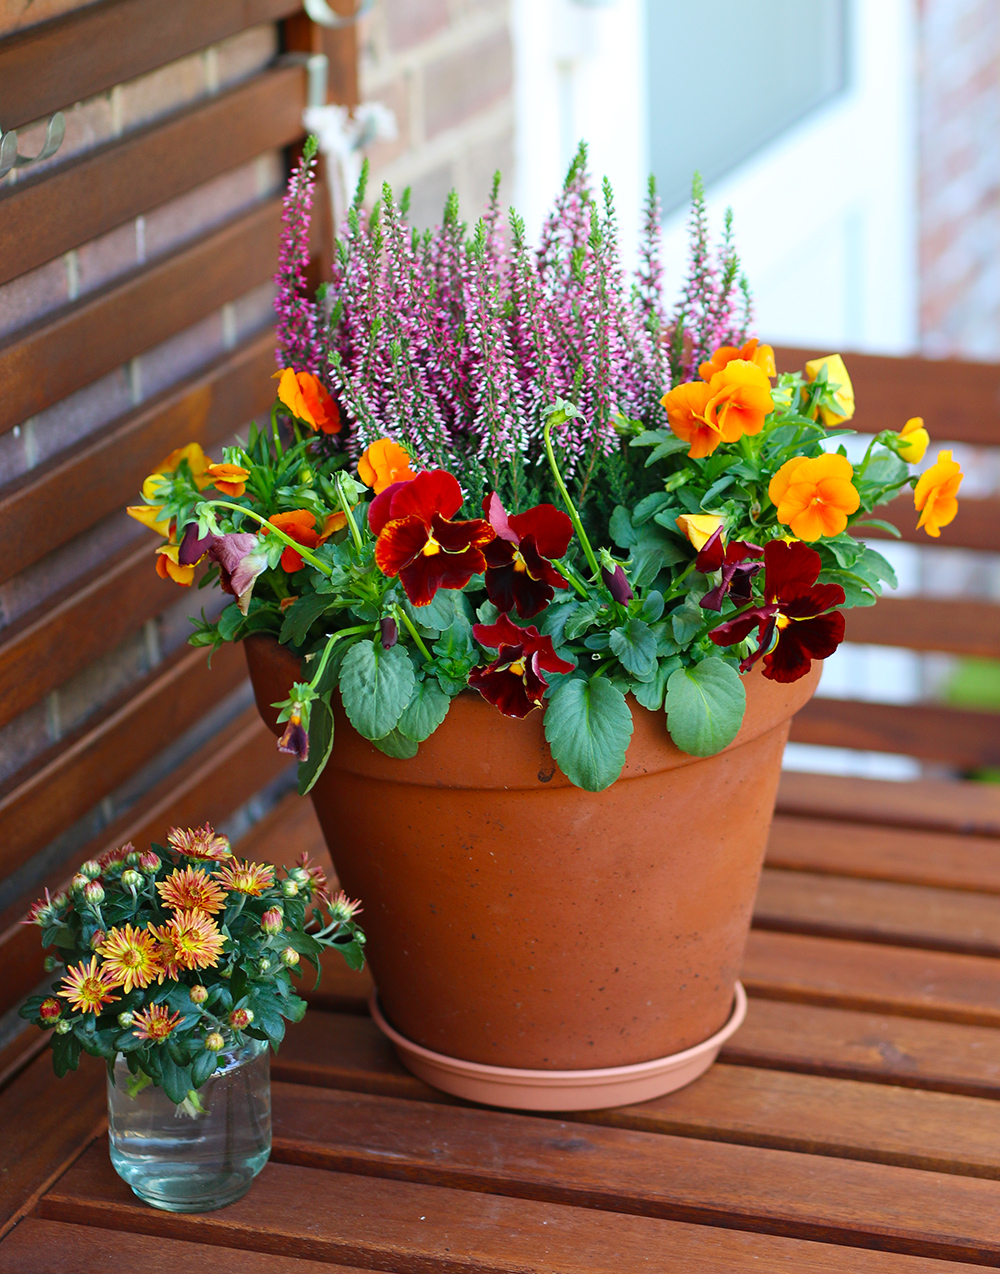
(200, 843)
(130, 958)
(191, 890)
(246, 878)
(155, 1023)
(196, 939)
(87, 987)
(166, 953)
(116, 857)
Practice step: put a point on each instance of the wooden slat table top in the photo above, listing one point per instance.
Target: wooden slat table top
(852, 1125)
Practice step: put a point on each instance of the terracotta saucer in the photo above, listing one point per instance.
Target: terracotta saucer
(561, 1090)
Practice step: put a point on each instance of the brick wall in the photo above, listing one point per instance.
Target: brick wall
(959, 103)
(445, 68)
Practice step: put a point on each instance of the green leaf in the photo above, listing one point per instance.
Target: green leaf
(65, 1053)
(439, 613)
(652, 607)
(655, 550)
(230, 622)
(687, 620)
(705, 706)
(581, 619)
(396, 745)
(588, 726)
(621, 529)
(427, 708)
(648, 505)
(635, 646)
(203, 1067)
(375, 685)
(301, 616)
(650, 693)
(320, 744)
(176, 1080)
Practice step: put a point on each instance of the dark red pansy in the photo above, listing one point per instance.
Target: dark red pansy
(513, 682)
(419, 542)
(519, 574)
(796, 610)
(193, 546)
(295, 740)
(739, 562)
(616, 582)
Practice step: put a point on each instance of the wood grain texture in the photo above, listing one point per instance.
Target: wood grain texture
(42, 71)
(942, 859)
(958, 626)
(78, 771)
(50, 360)
(955, 736)
(103, 473)
(959, 401)
(972, 808)
(974, 527)
(48, 214)
(422, 1229)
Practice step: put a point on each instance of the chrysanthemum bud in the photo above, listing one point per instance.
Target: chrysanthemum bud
(272, 920)
(91, 869)
(125, 1019)
(290, 957)
(96, 938)
(50, 1010)
(389, 632)
(299, 875)
(51, 963)
(265, 965)
(93, 892)
(289, 888)
(60, 901)
(198, 994)
(214, 1042)
(63, 1027)
(79, 883)
(133, 858)
(132, 879)
(149, 861)
(240, 1019)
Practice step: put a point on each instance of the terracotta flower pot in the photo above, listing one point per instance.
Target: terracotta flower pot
(517, 921)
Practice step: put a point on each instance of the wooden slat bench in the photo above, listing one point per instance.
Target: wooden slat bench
(852, 1124)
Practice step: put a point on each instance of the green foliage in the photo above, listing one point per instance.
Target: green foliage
(705, 705)
(588, 726)
(375, 685)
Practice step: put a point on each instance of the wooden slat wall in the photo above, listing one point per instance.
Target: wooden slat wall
(50, 509)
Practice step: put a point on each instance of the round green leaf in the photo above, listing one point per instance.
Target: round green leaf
(705, 706)
(588, 725)
(375, 685)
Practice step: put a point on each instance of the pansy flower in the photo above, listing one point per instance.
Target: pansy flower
(513, 682)
(936, 494)
(300, 526)
(308, 399)
(149, 514)
(737, 562)
(419, 542)
(518, 571)
(383, 463)
(814, 497)
(169, 566)
(751, 352)
(796, 611)
(230, 479)
(241, 557)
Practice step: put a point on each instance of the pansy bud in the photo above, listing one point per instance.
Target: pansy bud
(295, 740)
(131, 879)
(240, 1019)
(389, 631)
(289, 888)
(198, 994)
(125, 1019)
(63, 1027)
(149, 861)
(50, 1010)
(290, 957)
(214, 1042)
(272, 920)
(913, 441)
(91, 869)
(93, 892)
(617, 584)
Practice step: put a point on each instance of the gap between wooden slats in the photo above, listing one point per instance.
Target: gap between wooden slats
(209, 786)
(41, 69)
(73, 776)
(98, 190)
(76, 489)
(56, 356)
(959, 401)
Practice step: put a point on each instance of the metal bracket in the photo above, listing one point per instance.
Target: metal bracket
(320, 11)
(55, 131)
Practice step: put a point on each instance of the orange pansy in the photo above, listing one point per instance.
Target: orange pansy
(814, 497)
(751, 352)
(299, 525)
(167, 566)
(685, 407)
(230, 479)
(935, 496)
(698, 528)
(384, 463)
(308, 399)
(913, 440)
(741, 399)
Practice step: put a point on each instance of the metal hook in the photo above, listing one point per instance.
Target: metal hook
(320, 11)
(55, 131)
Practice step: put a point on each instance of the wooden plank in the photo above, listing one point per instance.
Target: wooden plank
(939, 859)
(959, 401)
(51, 359)
(54, 211)
(220, 777)
(930, 984)
(957, 626)
(967, 740)
(974, 527)
(45, 509)
(15, 15)
(77, 772)
(46, 1122)
(82, 622)
(932, 804)
(41, 69)
(878, 1048)
(878, 911)
(40, 1247)
(387, 1225)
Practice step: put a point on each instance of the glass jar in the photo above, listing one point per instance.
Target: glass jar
(203, 1153)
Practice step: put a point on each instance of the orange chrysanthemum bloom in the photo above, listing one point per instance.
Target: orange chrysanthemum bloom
(168, 567)
(191, 890)
(200, 843)
(166, 953)
(308, 399)
(761, 355)
(814, 497)
(196, 939)
(130, 957)
(935, 496)
(246, 878)
(384, 463)
(685, 407)
(741, 399)
(230, 479)
(155, 1023)
(88, 988)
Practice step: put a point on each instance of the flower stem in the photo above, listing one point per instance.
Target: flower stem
(331, 642)
(275, 530)
(348, 514)
(574, 517)
(401, 614)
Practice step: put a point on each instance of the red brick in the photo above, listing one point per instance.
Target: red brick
(207, 205)
(181, 355)
(107, 256)
(101, 681)
(396, 96)
(244, 54)
(22, 739)
(71, 419)
(13, 459)
(254, 311)
(427, 196)
(467, 81)
(481, 163)
(162, 90)
(87, 124)
(407, 22)
(33, 294)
